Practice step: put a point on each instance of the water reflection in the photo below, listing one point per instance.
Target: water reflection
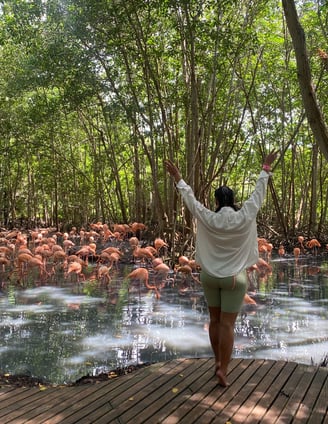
(289, 321)
(62, 333)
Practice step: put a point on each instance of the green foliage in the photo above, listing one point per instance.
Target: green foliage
(95, 93)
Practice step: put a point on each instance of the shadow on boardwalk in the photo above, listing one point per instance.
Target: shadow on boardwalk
(180, 391)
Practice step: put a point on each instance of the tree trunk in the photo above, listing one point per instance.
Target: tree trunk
(312, 108)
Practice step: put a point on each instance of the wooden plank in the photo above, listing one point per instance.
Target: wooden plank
(250, 394)
(247, 411)
(69, 396)
(12, 396)
(296, 394)
(325, 420)
(219, 396)
(54, 404)
(174, 397)
(80, 404)
(21, 398)
(144, 393)
(100, 405)
(311, 397)
(23, 402)
(320, 408)
(200, 389)
(160, 392)
(143, 382)
(274, 380)
(229, 403)
(232, 375)
(82, 394)
(4, 390)
(254, 405)
(282, 397)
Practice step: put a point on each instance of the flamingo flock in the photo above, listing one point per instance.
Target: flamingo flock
(45, 255)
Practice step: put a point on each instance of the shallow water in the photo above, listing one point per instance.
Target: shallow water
(61, 333)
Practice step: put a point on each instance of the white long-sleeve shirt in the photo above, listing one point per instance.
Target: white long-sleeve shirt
(226, 241)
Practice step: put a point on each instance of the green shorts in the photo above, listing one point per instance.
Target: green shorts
(225, 293)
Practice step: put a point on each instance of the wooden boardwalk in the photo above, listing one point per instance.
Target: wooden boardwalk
(180, 391)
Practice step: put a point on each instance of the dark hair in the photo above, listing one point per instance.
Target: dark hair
(224, 197)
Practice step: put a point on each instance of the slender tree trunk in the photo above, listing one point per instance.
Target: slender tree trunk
(313, 228)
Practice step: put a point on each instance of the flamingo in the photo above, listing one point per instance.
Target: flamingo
(59, 260)
(73, 233)
(112, 249)
(265, 248)
(21, 240)
(44, 252)
(159, 244)
(103, 274)
(59, 256)
(75, 268)
(86, 251)
(56, 248)
(104, 257)
(194, 265)
(300, 239)
(114, 259)
(6, 251)
(162, 270)
(119, 231)
(262, 269)
(25, 262)
(98, 226)
(281, 251)
(152, 250)
(74, 258)
(137, 227)
(313, 244)
(186, 271)
(296, 252)
(4, 262)
(24, 250)
(142, 253)
(183, 260)
(67, 244)
(107, 234)
(157, 261)
(21, 263)
(36, 262)
(248, 300)
(133, 242)
(142, 274)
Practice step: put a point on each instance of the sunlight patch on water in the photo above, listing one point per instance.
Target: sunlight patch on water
(304, 354)
(14, 322)
(99, 343)
(188, 338)
(63, 295)
(30, 309)
(49, 291)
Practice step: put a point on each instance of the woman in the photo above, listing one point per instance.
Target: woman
(226, 244)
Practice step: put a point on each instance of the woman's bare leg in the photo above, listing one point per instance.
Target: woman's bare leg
(214, 333)
(226, 341)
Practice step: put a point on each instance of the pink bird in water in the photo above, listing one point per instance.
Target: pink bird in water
(142, 274)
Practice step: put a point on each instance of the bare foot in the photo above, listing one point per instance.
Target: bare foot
(222, 378)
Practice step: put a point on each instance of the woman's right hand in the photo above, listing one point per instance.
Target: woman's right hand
(271, 157)
(173, 170)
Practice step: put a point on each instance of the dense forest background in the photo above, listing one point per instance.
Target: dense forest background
(95, 94)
